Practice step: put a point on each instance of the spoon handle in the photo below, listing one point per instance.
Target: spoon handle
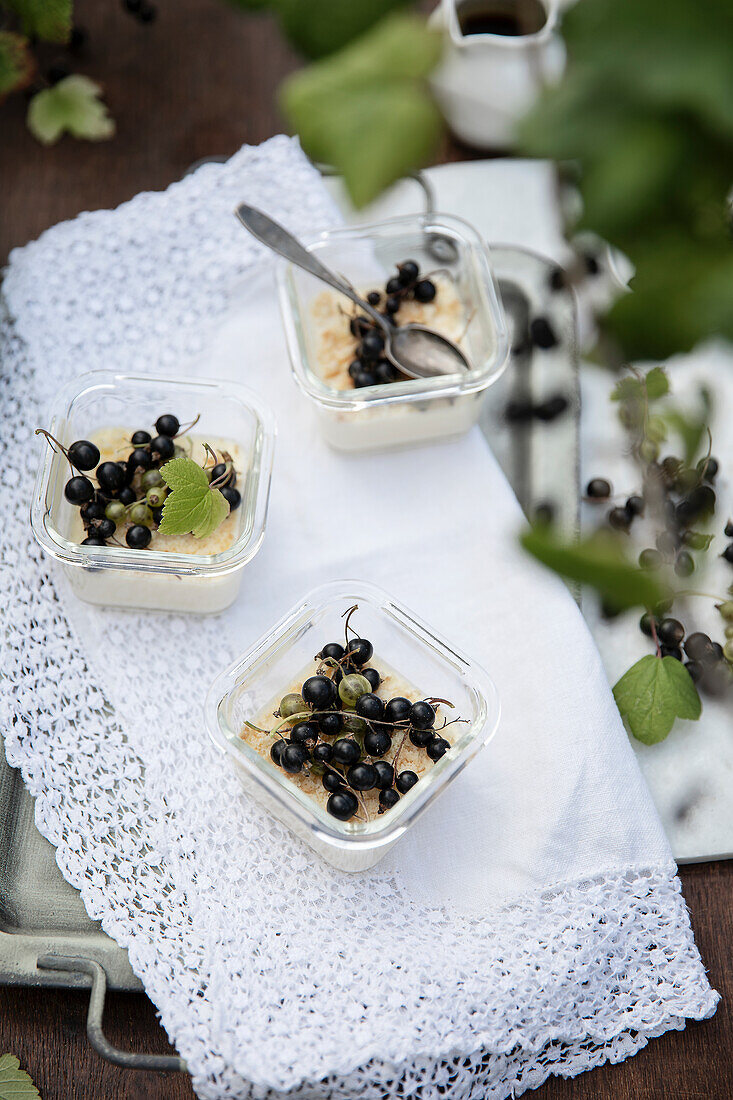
(275, 237)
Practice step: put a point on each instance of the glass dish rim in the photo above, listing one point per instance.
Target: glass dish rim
(411, 389)
(150, 561)
(384, 830)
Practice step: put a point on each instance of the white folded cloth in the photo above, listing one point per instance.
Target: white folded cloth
(530, 923)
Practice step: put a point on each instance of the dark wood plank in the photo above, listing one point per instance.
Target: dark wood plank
(202, 81)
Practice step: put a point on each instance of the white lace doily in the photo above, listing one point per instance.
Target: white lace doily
(271, 971)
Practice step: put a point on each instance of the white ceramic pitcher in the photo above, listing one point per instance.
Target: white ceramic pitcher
(486, 82)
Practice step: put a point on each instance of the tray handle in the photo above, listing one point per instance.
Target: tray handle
(78, 965)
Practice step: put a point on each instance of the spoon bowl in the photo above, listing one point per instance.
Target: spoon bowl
(416, 350)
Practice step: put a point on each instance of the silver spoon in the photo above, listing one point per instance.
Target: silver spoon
(416, 350)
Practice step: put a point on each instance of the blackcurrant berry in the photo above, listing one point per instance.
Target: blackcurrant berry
(384, 372)
(293, 757)
(105, 529)
(645, 624)
(397, 709)
(319, 692)
(355, 368)
(405, 781)
(670, 632)
(385, 774)
(695, 670)
(387, 799)
(346, 751)
(92, 540)
(332, 781)
(370, 706)
(304, 731)
(598, 489)
(425, 290)
(224, 474)
(360, 325)
(377, 742)
(392, 304)
(374, 297)
(708, 468)
(372, 676)
(393, 286)
(140, 439)
(322, 753)
(635, 506)
(331, 723)
(685, 564)
(542, 333)
(163, 446)
(728, 529)
(365, 378)
(619, 519)
(372, 345)
(276, 752)
(94, 509)
(408, 272)
(698, 646)
(362, 777)
(332, 650)
(667, 542)
(437, 747)
(138, 537)
(139, 459)
(671, 651)
(359, 651)
(551, 408)
(342, 805)
(650, 559)
(232, 497)
(78, 490)
(127, 496)
(126, 472)
(167, 425)
(422, 716)
(728, 553)
(420, 737)
(83, 454)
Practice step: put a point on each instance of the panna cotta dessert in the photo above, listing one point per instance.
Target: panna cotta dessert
(351, 733)
(152, 493)
(348, 718)
(432, 269)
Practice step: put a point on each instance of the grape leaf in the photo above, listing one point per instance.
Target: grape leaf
(49, 20)
(321, 27)
(15, 1084)
(16, 63)
(72, 105)
(192, 505)
(652, 693)
(599, 561)
(367, 109)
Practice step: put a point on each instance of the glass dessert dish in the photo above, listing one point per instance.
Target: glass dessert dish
(406, 411)
(200, 577)
(242, 693)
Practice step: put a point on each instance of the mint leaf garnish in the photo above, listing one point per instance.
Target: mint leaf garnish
(74, 105)
(15, 1084)
(652, 694)
(600, 561)
(192, 506)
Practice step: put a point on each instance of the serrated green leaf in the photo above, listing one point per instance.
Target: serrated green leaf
(15, 1083)
(72, 106)
(599, 561)
(652, 694)
(367, 109)
(192, 506)
(320, 27)
(16, 63)
(49, 20)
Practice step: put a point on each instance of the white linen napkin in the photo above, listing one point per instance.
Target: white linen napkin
(531, 922)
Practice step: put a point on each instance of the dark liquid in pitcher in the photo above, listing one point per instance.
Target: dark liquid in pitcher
(511, 18)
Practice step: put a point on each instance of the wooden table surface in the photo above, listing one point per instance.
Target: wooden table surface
(201, 80)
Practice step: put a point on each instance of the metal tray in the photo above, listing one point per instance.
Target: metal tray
(46, 936)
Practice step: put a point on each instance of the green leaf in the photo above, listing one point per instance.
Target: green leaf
(367, 110)
(657, 383)
(15, 1084)
(192, 505)
(599, 561)
(652, 694)
(49, 20)
(16, 63)
(320, 27)
(72, 105)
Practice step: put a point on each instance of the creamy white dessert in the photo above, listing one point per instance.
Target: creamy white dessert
(403, 755)
(114, 445)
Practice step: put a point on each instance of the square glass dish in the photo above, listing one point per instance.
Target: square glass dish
(412, 410)
(405, 644)
(118, 576)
